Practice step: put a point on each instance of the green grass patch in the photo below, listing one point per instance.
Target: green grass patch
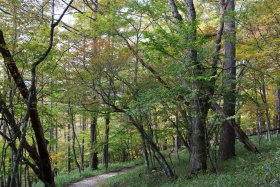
(246, 169)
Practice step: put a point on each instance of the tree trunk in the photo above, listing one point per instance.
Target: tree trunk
(227, 137)
(43, 163)
(278, 106)
(93, 153)
(14, 179)
(259, 119)
(155, 124)
(68, 148)
(198, 154)
(160, 158)
(177, 136)
(164, 146)
(238, 131)
(52, 129)
(267, 117)
(106, 142)
(177, 143)
(3, 156)
(83, 143)
(74, 137)
(145, 152)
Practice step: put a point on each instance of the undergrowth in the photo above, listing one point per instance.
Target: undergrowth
(246, 169)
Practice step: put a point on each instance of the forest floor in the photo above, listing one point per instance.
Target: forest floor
(65, 179)
(93, 181)
(246, 169)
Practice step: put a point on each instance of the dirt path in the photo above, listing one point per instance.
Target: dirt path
(93, 181)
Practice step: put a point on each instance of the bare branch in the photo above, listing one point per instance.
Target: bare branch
(4, 11)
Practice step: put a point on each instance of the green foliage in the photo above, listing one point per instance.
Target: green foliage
(247, 169)
(93, 71)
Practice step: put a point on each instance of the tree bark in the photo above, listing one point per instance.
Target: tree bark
(106, 142)
(259, 119)
(145, 152)
(68, 148)
(74, 137)
(93, 152)
(198, 155)
(83, 143)
(227, 137)
(267, 116)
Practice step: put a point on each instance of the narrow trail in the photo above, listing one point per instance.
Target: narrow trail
(93, 181)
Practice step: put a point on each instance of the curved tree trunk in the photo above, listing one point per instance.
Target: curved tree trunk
(160, 158)
(43, 163)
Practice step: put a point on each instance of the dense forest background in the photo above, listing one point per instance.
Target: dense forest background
(86, 83)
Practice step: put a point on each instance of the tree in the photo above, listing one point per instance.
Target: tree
(227, 143)
(93, 152)
(41, 158)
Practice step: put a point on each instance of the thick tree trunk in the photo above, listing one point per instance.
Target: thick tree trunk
(227, 137)
(93, 153)
(198, 154)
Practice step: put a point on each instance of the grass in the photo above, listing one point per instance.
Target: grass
(65, 178)
(246, 169)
